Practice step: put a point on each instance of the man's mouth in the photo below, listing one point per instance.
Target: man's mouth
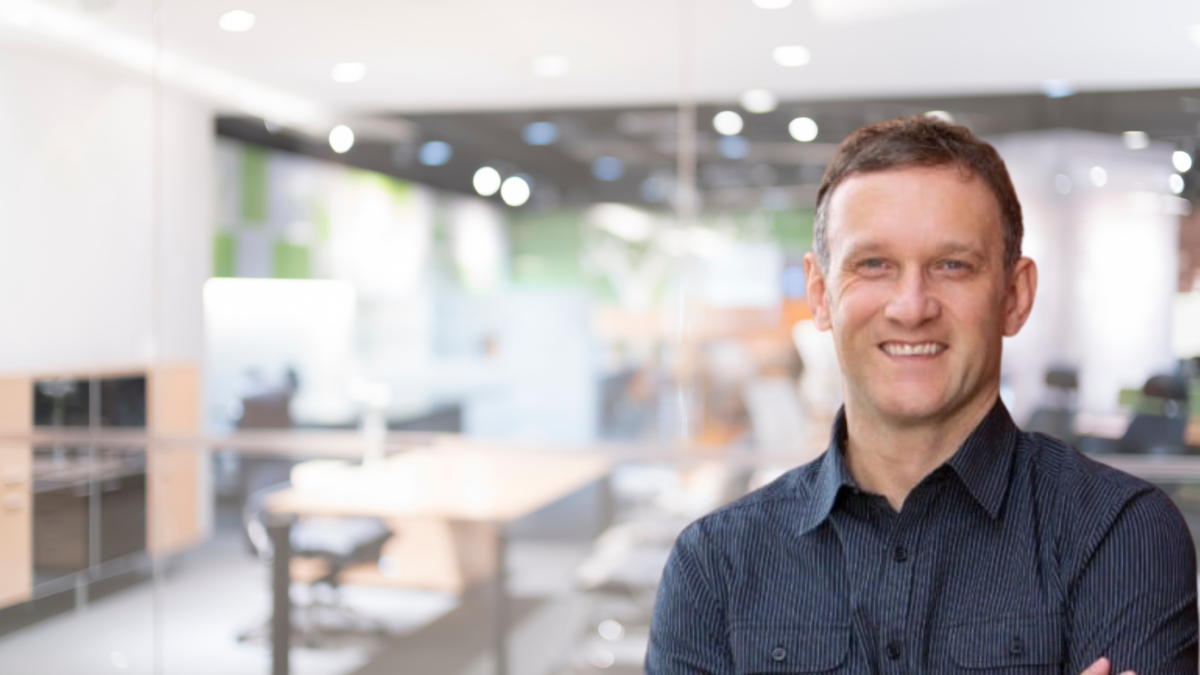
(913, 348)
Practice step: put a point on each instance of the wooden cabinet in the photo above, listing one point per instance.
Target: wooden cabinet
(16, 524)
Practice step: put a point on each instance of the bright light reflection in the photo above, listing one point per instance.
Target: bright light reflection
(551, 66)
(1175, 182)
(237, 21)
(759, 101)
(941, 115)
(727, 123)
(1057, 88)
(341, 138)
(1098, 175)
(1062, 183)
(791, 56)
(349, 72)
(803, 129)
(1182, 161)
(1136, 140)
(514, 191)
(610, 630)
(772, 4)
(486, 181)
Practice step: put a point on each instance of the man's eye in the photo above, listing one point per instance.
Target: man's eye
(955, 266)
(872, 264)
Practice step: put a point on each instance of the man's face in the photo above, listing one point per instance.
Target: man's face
(916, 293)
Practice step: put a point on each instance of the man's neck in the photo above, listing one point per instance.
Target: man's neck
(890, 459)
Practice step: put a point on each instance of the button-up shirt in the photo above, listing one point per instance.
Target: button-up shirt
(1018, 555)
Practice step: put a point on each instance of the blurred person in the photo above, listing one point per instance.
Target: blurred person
(933, 535)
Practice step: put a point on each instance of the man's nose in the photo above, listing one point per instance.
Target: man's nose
(912, 304)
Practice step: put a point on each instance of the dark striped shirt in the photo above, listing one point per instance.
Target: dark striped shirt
(1017, 556)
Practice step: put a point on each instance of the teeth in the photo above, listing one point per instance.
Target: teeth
(922, 349)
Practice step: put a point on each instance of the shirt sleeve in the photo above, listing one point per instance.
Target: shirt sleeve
(687, 634)
(1134, 598)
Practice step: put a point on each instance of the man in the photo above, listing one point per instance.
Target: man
(932, 536)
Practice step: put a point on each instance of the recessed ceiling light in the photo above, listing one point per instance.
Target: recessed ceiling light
(435, 153)
(727, 123)
(803, 129)
(341, 138)
(759, 101)
(1175, 182)
(551, 66)
(1136, 140)
(1181, 160)
(791, 56)
(514, 191)
(1062, 183)
(772, 4)
(486, 181)
(349, 72)
(237, 21)
(1098, 175)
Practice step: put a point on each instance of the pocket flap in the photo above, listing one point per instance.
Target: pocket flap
(794, 649)
(1014, 641)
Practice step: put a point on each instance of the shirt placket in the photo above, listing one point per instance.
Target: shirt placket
(897, 641)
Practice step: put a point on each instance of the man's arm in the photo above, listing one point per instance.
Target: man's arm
(687, 635)
(1134, 599)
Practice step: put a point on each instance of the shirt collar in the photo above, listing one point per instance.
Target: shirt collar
(983, 463)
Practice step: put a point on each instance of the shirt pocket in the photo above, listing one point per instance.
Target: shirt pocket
(790, 649)
(1010, 645)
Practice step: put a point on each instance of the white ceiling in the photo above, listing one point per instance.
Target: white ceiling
(442, 55)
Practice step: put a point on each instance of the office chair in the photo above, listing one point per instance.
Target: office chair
(321, 549)
(1058, 418)
(1159, 426)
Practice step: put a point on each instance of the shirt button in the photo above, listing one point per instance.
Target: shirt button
(901, 553)
(894, 650)
(1017, 648)
(779, 654)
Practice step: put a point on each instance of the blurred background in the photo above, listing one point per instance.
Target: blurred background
(375, 337)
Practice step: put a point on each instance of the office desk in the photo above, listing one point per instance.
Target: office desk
(492, 487)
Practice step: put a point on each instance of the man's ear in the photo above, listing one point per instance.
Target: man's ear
(1018, 301)
(814, 282)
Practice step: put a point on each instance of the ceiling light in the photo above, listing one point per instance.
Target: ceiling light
(1098, 175)
(435, 153)
(803, 129)
(1182, 161)
(341, 138)
(772, 4)
(486, 181)
(941, 115)
(1175, 182)
(237, 21)
(1057, 88)
(514, 191)
(791, 56)
(551, 66)
(1062, 183)
(608, 168)
(733, 147)
(1136, 140)
(850, 11)
(348, 73)
(759, 101)
(540, 133)
(727, 123)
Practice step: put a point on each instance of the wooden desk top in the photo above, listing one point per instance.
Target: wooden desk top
(480, 485)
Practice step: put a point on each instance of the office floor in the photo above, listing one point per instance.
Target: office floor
(218, 589)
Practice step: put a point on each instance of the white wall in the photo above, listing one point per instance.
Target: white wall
(1107, 258)
(75, 215)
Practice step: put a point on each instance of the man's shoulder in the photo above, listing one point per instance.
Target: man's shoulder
(1058, 468)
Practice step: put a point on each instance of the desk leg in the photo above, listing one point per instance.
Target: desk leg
(500, 603)
(280, 530)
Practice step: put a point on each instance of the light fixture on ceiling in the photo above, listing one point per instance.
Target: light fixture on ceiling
(1136, 140)
(1098, 176)
(772, 4)
(728, 123)
(514, 191)
(1175, 182)
(1062, 183)
(341, 138)
(608, 169)
(803, 129)
(941, 115)
(1182, 161)
(855, 11)
(733, 147)
(540, 133)
(1057, 88)
(551, 66)
(349, 72)
(486, 181)
(435, 153)
(237, 21)
(759, 101)
(791, 56)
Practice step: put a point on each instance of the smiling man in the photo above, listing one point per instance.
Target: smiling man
(933, 536)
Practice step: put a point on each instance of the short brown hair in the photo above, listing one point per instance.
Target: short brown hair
(919, 142)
